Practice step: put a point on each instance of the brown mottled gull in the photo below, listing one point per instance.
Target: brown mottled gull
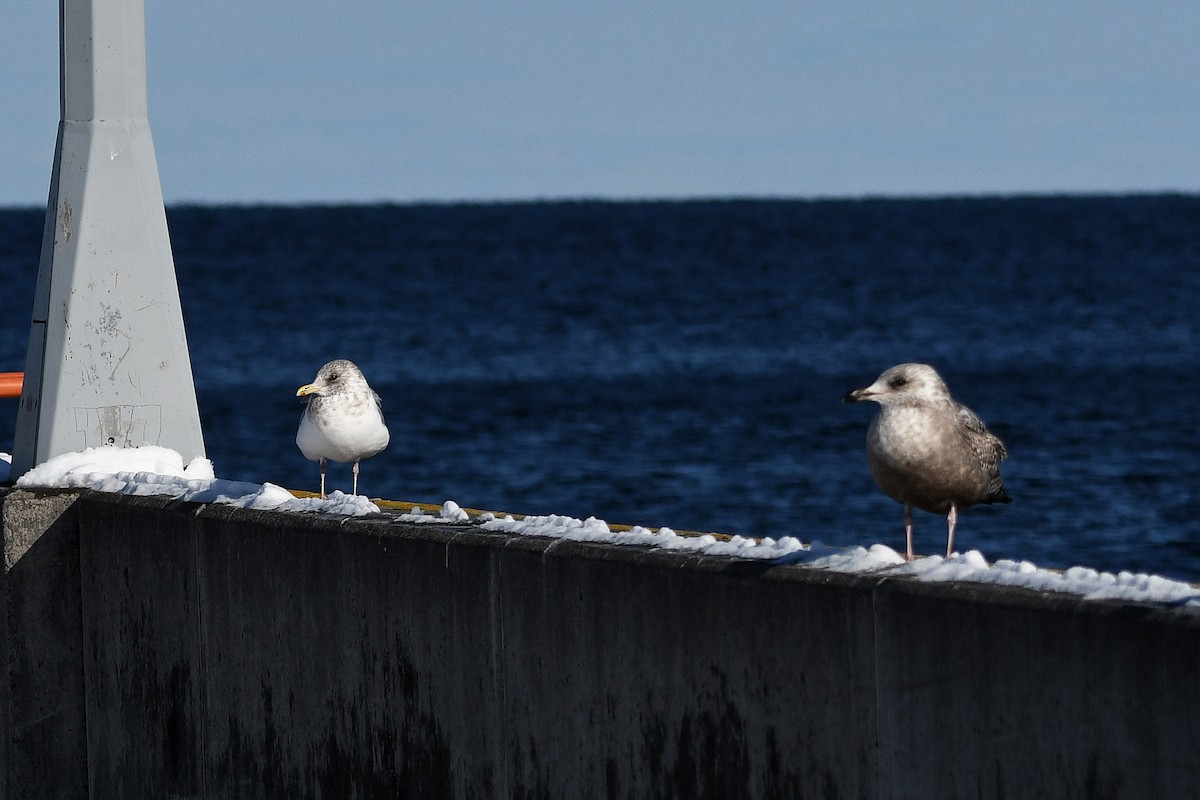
(343, 420)
(927, 450)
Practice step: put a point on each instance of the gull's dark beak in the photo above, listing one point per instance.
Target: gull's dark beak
(857, 395)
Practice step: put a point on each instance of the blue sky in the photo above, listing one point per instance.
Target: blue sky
(387, 100)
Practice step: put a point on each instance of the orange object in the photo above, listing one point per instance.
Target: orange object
(10, 383)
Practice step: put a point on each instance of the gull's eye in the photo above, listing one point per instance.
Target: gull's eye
(333, 376)
(898, 382)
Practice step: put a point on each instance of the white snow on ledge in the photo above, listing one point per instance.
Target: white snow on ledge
(159, 471)
(878, 559)
(152, 470)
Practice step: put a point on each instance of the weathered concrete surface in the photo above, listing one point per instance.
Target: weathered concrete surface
(223, 653)
(42, 724)
(141, 650)
(1028, 696)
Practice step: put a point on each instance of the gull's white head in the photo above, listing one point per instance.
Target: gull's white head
(903, 384)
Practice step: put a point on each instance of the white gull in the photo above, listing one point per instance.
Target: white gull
(343, 420)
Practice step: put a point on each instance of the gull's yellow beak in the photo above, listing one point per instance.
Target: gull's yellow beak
(308, 388)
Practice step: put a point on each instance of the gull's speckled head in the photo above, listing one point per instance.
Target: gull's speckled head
(337, 376)
(903, 384)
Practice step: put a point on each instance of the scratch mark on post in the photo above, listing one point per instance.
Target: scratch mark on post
(128, 346)
(64, 220)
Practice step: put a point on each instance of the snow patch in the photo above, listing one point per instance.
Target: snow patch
(153, 470)
(449, 512)
(1084, 581)
(876, 559)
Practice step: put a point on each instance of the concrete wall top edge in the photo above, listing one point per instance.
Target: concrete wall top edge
(469, 535)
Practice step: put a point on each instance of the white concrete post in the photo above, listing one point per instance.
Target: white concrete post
(108, 358)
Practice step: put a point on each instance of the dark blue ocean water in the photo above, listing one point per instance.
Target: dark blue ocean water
(682, 363)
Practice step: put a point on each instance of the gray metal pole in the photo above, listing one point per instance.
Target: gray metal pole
(108, 358)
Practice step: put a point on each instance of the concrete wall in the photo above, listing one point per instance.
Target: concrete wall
(160, 649)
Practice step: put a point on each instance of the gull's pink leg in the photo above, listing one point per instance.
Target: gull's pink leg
(322, 479)
(356, 476)
(951, 523)
(908, 554)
